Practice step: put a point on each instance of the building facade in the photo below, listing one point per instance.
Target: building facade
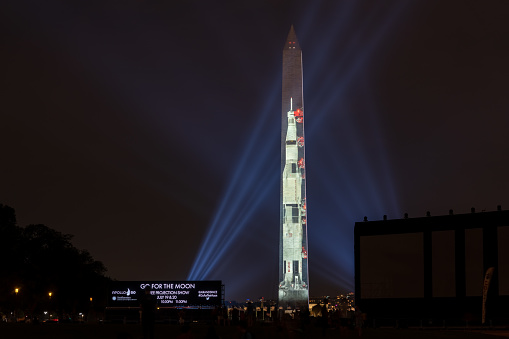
(434, 268)
(293, 249)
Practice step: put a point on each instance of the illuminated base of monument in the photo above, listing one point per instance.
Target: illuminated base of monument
(295, 299)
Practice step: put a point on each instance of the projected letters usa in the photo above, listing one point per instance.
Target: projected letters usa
(293, 262)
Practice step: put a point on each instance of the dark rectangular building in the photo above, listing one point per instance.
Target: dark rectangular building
(433, 268)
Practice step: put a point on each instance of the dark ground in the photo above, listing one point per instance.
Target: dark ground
(113, 331)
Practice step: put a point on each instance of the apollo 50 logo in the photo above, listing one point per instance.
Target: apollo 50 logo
(123, 295)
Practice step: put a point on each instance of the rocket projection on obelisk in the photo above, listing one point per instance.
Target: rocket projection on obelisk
(293, 247)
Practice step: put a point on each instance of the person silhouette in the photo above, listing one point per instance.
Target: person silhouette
(148, 314)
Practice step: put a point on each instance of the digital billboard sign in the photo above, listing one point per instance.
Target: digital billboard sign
(167, 293)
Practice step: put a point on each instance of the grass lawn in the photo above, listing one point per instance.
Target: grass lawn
(114, 331)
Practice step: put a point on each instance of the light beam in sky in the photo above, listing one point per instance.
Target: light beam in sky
(358, 189)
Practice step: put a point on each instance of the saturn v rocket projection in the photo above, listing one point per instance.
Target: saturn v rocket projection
(293, 248)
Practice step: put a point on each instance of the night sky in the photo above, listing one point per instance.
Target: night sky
(140, 126)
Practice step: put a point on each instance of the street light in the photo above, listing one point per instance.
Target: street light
(16, 290)
(50, 294)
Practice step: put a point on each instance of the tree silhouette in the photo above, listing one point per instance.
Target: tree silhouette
(10, 254)
(43, 260)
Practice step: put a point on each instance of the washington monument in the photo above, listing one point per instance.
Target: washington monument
(293, 245)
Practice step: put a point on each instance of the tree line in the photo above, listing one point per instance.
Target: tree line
(41, 270)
